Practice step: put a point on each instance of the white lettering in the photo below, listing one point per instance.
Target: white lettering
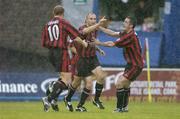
(34, 88)
(18, 88)
(53, 22)
(169, 91)
(136, 91)
(109, 81)
(170, 84)
(13, 88)
(154, 91)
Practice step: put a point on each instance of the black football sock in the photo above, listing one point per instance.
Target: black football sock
(47, 92)
(126, 97)
(120, 97)
(99, 88)
(50, 87)
(84, 96)
(71, 92)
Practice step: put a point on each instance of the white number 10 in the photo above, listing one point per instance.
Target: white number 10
(53, 32)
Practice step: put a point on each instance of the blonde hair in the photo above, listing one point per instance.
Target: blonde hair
(85, 21)
(58, 10)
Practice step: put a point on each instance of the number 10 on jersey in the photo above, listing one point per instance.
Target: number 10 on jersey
(53, 32)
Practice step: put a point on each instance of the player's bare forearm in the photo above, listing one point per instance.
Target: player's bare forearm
(94, 27)
(109, 43)
(90, 29)
(97, 42)
(109, 32)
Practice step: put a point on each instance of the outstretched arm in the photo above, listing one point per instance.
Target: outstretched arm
(94, 27)
(106, 44)
(109, 32)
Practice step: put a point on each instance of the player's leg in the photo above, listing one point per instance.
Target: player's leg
(76, 80)
(121, 92)
(71, 90)
(80, 70)
(48, 92)
(84, 95)
(55, 55)
(62, 64)
(123, 87)
(59, 86)
(100, 77)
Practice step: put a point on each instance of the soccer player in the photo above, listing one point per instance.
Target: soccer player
(130, 43)
(54, 37)
(88, 66)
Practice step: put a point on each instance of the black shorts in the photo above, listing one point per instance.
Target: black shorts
(132, 72)
(59, 59)
(86, 65)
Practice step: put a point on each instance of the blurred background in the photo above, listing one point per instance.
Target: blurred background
(24, 66)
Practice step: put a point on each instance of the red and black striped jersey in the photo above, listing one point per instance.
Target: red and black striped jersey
(75, 57)
(56, 31)
(131, 48)
(90, 50)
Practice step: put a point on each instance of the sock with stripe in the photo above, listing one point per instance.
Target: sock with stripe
(71, 92)
(84, 96)
(99, 88)
(58, 87)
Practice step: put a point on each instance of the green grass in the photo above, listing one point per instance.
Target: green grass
(33, 110)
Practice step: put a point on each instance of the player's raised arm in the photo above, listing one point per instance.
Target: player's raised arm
(91, 20)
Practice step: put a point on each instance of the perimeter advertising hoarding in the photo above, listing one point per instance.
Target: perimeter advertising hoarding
(26, 86)
(165, 85)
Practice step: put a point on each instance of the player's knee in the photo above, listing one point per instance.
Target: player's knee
(101, 77)
(76, 83)
(122, 83)
(66, 80)
(104, 75)
(118, 85)
(89, 84)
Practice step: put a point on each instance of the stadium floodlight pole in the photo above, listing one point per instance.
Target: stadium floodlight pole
(148, 70)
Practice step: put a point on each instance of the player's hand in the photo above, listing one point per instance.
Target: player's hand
(85, 44)
(102, 21)
(102, 53)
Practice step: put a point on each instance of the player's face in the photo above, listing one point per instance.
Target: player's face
(127, 24)
(91, 20)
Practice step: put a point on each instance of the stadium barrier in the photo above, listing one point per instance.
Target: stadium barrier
(165, 85)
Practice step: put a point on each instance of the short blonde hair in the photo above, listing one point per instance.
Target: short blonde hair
(58, 10)
(88, 16)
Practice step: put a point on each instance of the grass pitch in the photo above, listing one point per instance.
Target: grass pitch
(34, 110)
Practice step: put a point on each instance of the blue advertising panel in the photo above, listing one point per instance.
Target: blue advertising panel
(26, 86)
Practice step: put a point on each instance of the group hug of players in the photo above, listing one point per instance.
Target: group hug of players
(84, 64)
